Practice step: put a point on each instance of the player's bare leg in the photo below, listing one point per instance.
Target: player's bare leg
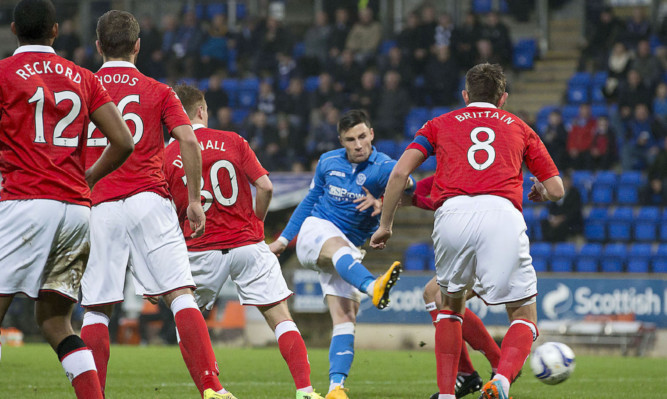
(95, 333)
(448, 342)
(341, 350)
(515, 347)
(195, 343)
(54, 314)
(5, 301)
(291, 346)
(337, 252)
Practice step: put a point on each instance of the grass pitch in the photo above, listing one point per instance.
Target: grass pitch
(158, 372)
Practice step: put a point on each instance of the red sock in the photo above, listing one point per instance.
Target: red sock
(516, 348)
(448, 341)
(192, 329)
(432, 310)
(187, 361)
(294, 352)
(479, 338)
(80, 369)
(96, 338)
(465, 364)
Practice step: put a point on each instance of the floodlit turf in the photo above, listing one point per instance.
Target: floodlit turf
(33, 371)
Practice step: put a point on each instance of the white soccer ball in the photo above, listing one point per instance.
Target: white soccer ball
(552, 362)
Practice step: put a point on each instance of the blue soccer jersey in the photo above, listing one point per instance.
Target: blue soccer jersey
(337, 183)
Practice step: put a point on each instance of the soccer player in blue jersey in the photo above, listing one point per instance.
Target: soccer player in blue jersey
(337, 216)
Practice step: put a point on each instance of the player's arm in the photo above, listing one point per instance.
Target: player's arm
(107, 118)
(399, 180)
(191, 155)
(263, 197)
(547, 184)
(300, 213)
(549, 190)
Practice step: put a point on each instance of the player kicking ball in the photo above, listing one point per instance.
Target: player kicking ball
(46, 102)
(133, 223)
(336, 217)
(479, 234)
(233, 244)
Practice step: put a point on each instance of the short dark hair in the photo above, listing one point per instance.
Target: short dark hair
(117, 32)
(190, 97)
(34, 20)
(485, 83)
(351, 119)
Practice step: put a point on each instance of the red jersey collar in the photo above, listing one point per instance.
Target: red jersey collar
(118, 64)
(481, 104)
(34, 48)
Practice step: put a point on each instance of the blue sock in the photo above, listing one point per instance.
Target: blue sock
(351, 270)
(341, 353)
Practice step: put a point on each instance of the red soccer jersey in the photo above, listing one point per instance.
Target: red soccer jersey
(146, 105)
(229, 166)
(45, 107)
(479, 150)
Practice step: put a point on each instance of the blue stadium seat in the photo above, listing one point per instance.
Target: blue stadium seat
(595, 224)
(248, 92)
(541, 253)
(627, 194)
(437, 111)
(482, 6)
(600, 78)
(415, 120)
(603, 195)
(581, 79)
(639, 258)
(631, 177)
(203, 85)
(620, 223)
(389, 147)
(578, 94)
(563, 257)
(646, 223)
(311, 83)
(598, 110)
(569, 112)
(588, 257)
(606, 177)
(216, 8)
(663, 231)
(659, 261)
(298, 50)
(597, 96)
(416, 256)
(239, 115)
(387, 45)
(613, 258)
(188, 82)
(524, 53)
(231, 87)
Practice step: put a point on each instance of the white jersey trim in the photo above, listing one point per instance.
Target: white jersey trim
(118, 64)
(482, 104)
(34, 48)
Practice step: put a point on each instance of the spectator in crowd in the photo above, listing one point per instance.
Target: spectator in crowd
(634, 91)
(486, 53)
(273, 39)
(364, 37)
(286, 69)
(324, 135)
(86, 58)
(655, 192)
(317, 41)
(188, 40)
(427, 28)
(266, 101)
(643, 133)
(294, 103)
(214, 51)
(464, 38)
(346, 72)
(394, 105)
(580, 138)
(603, 148)
(395, 61)
(618, 66)
(150, 59)
(647, 65)
(662, 31)
(339, 32)
(606, 32)
(292, 145)
(224, 121)
(408, 38)
(169, 27)
(67, 40)
(565, 219)
(442, 73)
(263, 139)
(367, 95)
(498, 34)
(247, 42)
(216, 97)
(324, 97)
(660, 103)
(637, 27)
(555, 138)
(443, 31)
